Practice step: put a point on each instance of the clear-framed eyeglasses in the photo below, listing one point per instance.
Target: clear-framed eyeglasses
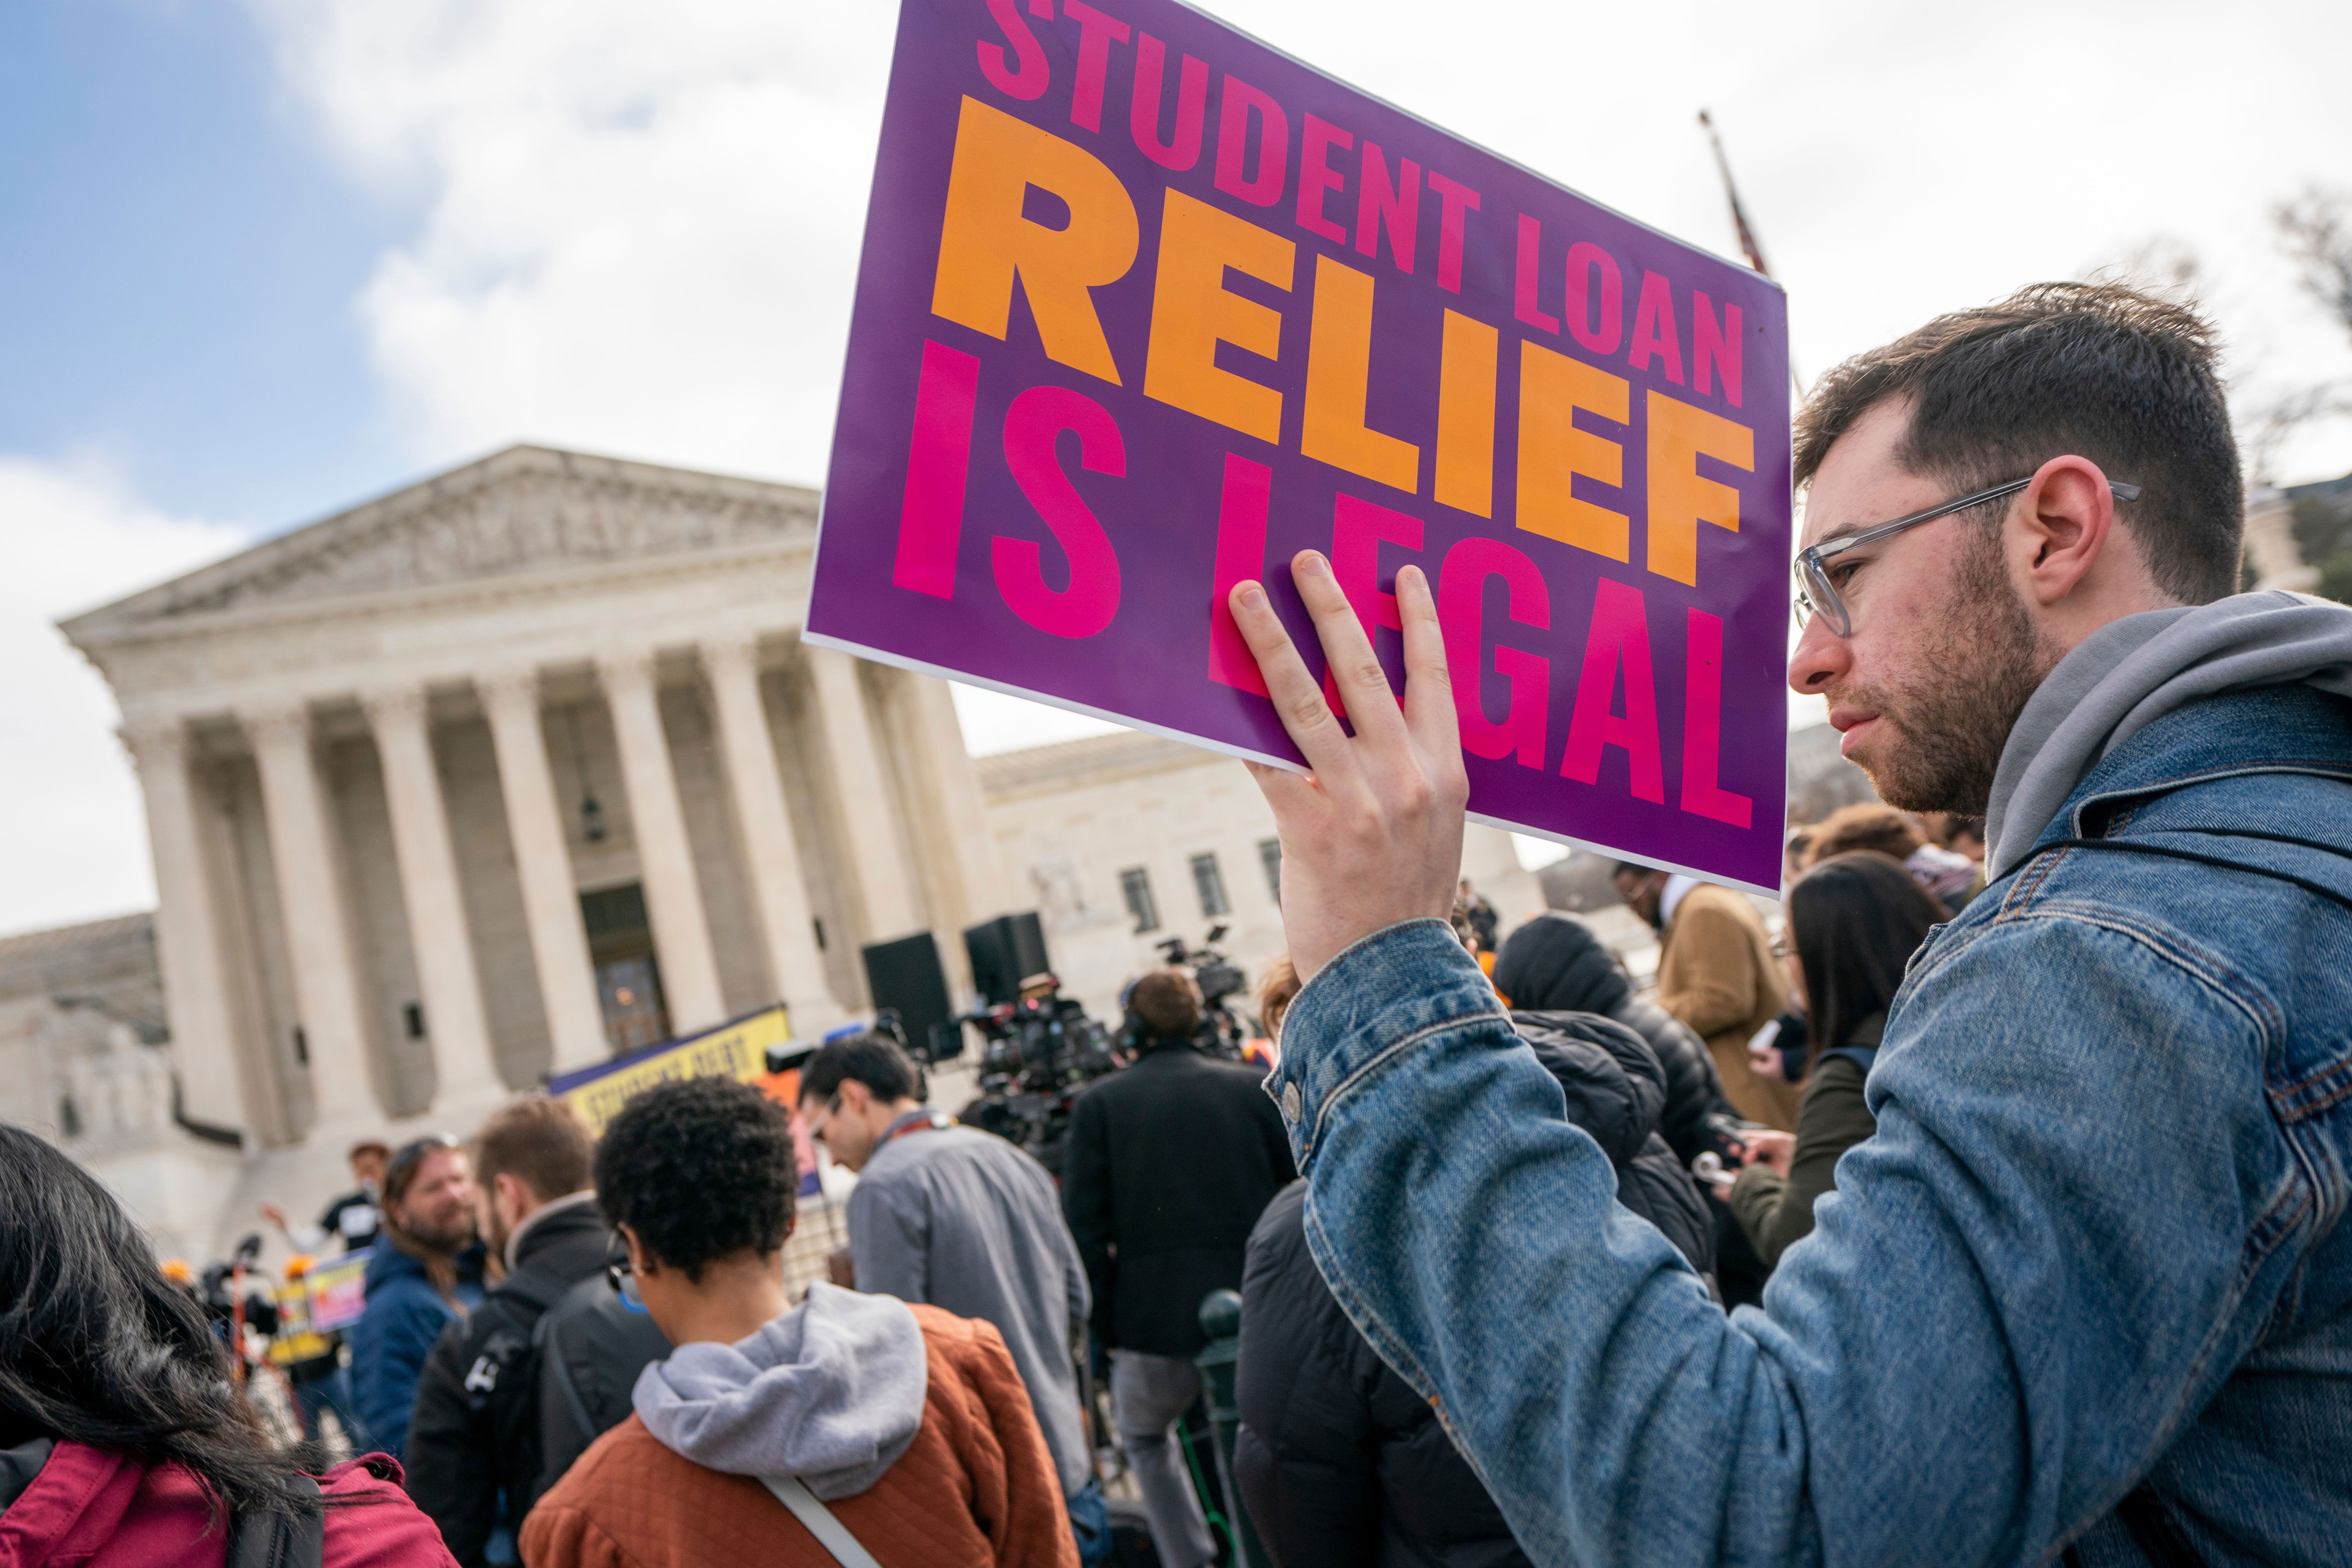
(1817, 593)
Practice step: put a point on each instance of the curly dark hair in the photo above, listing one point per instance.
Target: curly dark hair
(697, 1169)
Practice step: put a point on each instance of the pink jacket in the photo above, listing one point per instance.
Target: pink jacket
(96, 1508)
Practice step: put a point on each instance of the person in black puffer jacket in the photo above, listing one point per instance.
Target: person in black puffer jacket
(1554, 964)
(1339, 1460)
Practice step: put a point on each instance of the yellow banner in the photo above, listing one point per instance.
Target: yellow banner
(738, 1051)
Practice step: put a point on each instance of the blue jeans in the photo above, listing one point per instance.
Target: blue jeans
(1090, 1523)
(2097, 1247)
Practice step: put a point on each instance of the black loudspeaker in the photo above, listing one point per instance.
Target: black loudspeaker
(1006, 951)
(905, 976)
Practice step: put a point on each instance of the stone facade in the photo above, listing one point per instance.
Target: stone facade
(527, 763)
(508, 770)
(1073, 823)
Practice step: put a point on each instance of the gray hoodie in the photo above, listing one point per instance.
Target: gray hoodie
(832, 1392)
(2133, 671)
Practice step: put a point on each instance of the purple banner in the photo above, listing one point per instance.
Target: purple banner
(1145, 307)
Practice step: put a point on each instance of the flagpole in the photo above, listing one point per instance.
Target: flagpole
(1747, 234)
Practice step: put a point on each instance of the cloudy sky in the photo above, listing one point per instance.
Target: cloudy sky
(263, 260)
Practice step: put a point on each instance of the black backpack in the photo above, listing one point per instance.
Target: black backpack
(275, 1541)
(587, 1351)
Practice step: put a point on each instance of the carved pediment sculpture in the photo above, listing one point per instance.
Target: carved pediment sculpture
(521, 511)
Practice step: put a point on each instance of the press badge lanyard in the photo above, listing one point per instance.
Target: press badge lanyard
(918, 1122)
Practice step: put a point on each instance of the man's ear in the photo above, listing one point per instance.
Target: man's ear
(854, 1096)
(2058, 530)
(520, 1198)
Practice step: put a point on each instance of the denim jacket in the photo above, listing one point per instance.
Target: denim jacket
(2095, 1248)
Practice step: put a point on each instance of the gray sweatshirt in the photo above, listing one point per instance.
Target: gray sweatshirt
(832, 1392)
(2131, 672)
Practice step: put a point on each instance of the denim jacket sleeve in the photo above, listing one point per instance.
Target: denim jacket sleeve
(2043, 1264)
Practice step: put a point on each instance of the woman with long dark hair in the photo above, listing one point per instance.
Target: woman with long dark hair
(122, 1439)
(1854, 921)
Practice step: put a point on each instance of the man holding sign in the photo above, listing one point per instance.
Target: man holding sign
(2089, 1289)
(1146, 309)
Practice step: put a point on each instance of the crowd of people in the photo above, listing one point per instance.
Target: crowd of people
(531, 1290)
(1989, 1209)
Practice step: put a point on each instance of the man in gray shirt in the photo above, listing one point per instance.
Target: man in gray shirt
(965, 1221)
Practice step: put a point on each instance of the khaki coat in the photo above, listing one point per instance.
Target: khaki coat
(1717, 974)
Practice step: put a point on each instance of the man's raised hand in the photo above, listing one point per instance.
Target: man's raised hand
(1373, 835)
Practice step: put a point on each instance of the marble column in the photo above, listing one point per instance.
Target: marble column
(219, 1084)
(689, 972)
(551, 900)
(465, 1071)
(778, 889)
(971, 872)
(318, 927)
(884, 878)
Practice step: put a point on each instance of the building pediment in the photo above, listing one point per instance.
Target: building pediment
(523, 511)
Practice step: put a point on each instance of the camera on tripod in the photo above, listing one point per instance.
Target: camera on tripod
(1038, 1048)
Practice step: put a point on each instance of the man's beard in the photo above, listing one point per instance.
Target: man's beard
(454, 1237)
(1951, 718)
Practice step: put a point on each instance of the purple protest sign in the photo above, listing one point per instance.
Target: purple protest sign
(1146, 307)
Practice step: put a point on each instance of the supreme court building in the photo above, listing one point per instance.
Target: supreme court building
(510, 770)
(526, 765)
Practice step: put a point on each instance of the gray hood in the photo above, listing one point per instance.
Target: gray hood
(832, 1392)
(2131, 672)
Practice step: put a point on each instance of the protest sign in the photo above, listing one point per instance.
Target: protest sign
(738, 1051)
(338, 1291)
(1145, 307)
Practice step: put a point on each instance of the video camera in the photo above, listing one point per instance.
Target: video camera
(1037, 1052)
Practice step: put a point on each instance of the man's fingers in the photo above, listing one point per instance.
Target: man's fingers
(1347, 649)
(1428, 685)
(1297, 696)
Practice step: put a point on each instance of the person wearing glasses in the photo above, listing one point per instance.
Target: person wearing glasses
(968, 1222)
(2085, 1295)
(424, 1273)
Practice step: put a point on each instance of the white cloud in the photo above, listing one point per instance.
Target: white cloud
(638, 225)
(640, 222)
(73, 835)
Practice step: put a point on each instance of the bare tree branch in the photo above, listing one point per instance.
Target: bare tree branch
(2316, 232)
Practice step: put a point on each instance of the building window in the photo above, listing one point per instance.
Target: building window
(1210, 883)
(412, 1018)
(1269, 856)
(1136, 885)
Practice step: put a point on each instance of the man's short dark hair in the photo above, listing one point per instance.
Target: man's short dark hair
(2097, 370)
(539, 1142)
(872, 1059)
(699, 1168)
(1168, 1001)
